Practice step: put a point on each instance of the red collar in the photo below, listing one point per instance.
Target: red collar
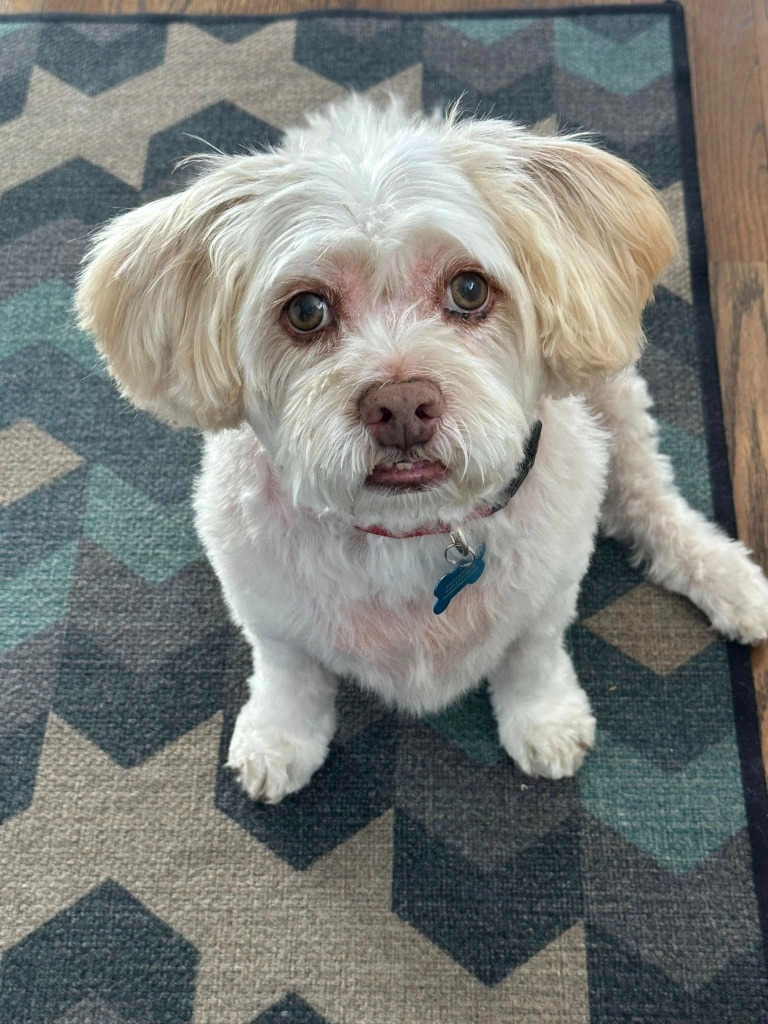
(529, 457)
(379, 531)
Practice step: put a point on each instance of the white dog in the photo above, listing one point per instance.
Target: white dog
(369, 323)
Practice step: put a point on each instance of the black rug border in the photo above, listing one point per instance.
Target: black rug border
(746, 719)
(662, 7)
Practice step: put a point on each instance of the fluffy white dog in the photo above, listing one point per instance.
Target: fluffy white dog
(370, 323)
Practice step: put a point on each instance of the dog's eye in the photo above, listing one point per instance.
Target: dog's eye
(467, 293)
(308, 312)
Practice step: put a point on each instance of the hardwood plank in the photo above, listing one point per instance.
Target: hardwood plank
(760, 11)
(229, 7)
(396, 6)
(740, 306)
(730, 130)
(753, 518)
(11, 7)
(728, 47)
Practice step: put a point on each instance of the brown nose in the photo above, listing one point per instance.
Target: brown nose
(402, 414)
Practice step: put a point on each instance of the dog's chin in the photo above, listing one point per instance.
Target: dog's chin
(408, 512)
(420, 495)
(415, 499)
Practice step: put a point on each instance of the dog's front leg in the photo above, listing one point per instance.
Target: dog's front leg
(544, 718)
(283, 731)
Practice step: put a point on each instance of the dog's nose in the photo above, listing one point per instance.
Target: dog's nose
(402, 414)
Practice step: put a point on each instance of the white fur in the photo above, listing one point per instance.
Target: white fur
(377, 209)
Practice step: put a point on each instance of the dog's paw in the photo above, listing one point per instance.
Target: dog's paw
(740, 609)
(552, 741)
(731, 590)
(270, 764)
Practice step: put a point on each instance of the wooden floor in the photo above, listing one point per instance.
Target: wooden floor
(728, 42)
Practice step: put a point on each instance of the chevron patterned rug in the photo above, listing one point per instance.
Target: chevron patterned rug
(420, 879)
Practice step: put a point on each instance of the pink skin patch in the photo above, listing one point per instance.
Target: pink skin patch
(420, 475)
(392, 637)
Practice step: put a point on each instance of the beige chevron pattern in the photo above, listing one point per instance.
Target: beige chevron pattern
(29, 459)
(260, 927)
(113, 129)
(659, 629)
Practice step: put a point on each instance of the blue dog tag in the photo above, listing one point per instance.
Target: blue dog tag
(468, 570)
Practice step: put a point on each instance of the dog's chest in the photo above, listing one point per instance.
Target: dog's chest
(390, 639)
(397, 637)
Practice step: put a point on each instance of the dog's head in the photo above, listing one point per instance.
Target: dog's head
(384, 300)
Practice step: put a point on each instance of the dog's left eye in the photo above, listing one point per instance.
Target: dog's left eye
(308, 312)
(467, 293)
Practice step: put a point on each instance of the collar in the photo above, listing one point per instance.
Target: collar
(482, 511)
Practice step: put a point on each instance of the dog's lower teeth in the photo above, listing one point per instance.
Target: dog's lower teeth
(404, 465)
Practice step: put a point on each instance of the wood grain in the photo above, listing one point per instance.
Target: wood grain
(730, 128)
(728, 45)
(740, 307)
(740, 301)
(760, 11)
(240, 7)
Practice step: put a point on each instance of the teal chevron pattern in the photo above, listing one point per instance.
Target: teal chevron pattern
(654, 809)
(420, 877)
(622, 67)
(44, 314)
(36, 598)
(155, 542)
(488, 30)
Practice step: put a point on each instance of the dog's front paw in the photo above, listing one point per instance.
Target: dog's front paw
(729, 588)
(271, 763)
(739, 609)
(551, 741)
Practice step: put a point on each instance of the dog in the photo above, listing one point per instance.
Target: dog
(411, 344)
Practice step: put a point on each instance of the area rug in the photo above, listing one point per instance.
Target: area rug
(420, 879)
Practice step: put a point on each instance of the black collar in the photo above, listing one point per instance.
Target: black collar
(514, 485)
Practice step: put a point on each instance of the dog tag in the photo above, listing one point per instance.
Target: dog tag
(468, 570)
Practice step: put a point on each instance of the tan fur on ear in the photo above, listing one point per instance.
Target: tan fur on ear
(590, 236)
(160, 295)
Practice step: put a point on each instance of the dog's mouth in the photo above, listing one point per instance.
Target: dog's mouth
(407, 476)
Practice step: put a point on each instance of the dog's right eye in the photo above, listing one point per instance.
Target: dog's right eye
(467, 293)
(308, 312)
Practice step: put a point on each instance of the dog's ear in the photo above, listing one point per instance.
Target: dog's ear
(160, 292)
(589, 235)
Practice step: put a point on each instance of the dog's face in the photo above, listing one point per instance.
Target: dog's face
(384, 300)
(385, 362)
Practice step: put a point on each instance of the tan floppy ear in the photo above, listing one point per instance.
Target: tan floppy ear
(160, 291)
(590, 236)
